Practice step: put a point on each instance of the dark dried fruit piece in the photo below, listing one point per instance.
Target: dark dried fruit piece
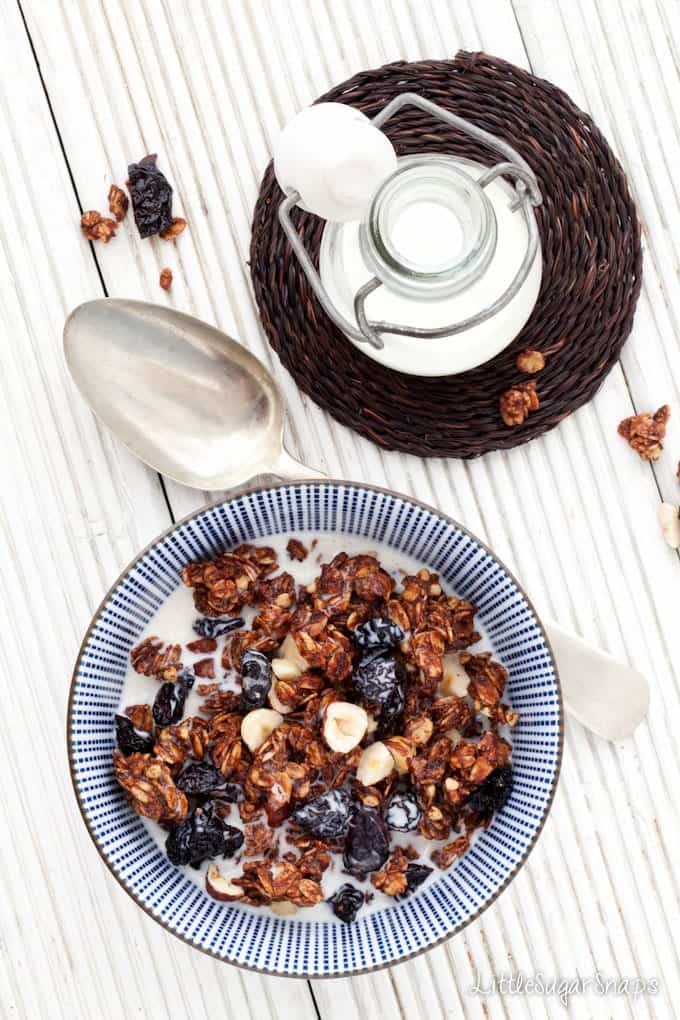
(367, 846)
(415, 876)
(168, 706)
(403, 813)
(327, 816)
(492, 794)
(377, 635)
(202, 836)
(200, 778)
(151, 196)
(347, 902)
(380, 682)
(256, 679)
(130, 739)
(214, 628)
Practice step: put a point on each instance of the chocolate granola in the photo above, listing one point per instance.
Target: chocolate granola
(343, 730)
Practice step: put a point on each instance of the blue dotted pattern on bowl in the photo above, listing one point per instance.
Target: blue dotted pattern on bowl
(292, 946)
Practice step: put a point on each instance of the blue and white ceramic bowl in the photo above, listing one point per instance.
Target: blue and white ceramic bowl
(290, 946)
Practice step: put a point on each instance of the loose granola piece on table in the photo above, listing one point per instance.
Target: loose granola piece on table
(96, 227)
(516, 403)
(530, 362)
(118, 202)
(645, 432)
(174, 230)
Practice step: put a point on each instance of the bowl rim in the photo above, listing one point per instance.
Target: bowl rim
(249, 490)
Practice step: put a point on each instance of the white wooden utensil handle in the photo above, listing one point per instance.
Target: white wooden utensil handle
(607, 696)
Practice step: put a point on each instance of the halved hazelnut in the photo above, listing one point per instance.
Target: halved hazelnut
(258, 725)
(344, 725)
(455, 679)
(289, 653)
(219, 887)
(284, 669)
(375, 764)
(669, 519)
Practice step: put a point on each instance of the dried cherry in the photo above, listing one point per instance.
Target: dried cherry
(199, 778)
(347, 902)
(377, 636)
(256, 679)
(403, 812)
(200, 837)
(367, 846)
(327, 816)
(151, 196)
(206, 627)
(129, 739)
(415, 876)
(491, 795)
(380, 683)
(168, 705)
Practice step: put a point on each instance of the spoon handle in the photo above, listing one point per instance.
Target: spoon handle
(291, 470)
(605, 695)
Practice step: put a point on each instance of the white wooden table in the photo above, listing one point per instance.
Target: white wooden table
(88, 86)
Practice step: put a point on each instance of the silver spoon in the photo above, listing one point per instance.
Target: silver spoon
(196, 406)
(181, 395)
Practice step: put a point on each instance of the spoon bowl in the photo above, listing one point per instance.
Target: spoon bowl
(181, 395)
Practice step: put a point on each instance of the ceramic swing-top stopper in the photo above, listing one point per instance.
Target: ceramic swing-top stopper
(335, 158)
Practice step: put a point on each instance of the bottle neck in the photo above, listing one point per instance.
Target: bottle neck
(430, 230)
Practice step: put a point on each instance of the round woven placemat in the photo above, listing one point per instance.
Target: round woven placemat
(592, 264)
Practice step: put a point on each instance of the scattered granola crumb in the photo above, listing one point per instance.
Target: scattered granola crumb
(669, 519)
(97, 227)
(530, 362)
(118, 202)
(645, 432)
(296, 550)
(517, 402)
(677, 473)
(174, 230)
(166, 278)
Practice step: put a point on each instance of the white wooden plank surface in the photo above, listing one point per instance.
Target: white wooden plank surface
(207, 84)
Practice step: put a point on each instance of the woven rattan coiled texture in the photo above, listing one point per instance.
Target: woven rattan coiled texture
(592, 265)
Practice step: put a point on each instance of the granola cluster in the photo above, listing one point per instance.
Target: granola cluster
(351, 712)
(645, 432)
